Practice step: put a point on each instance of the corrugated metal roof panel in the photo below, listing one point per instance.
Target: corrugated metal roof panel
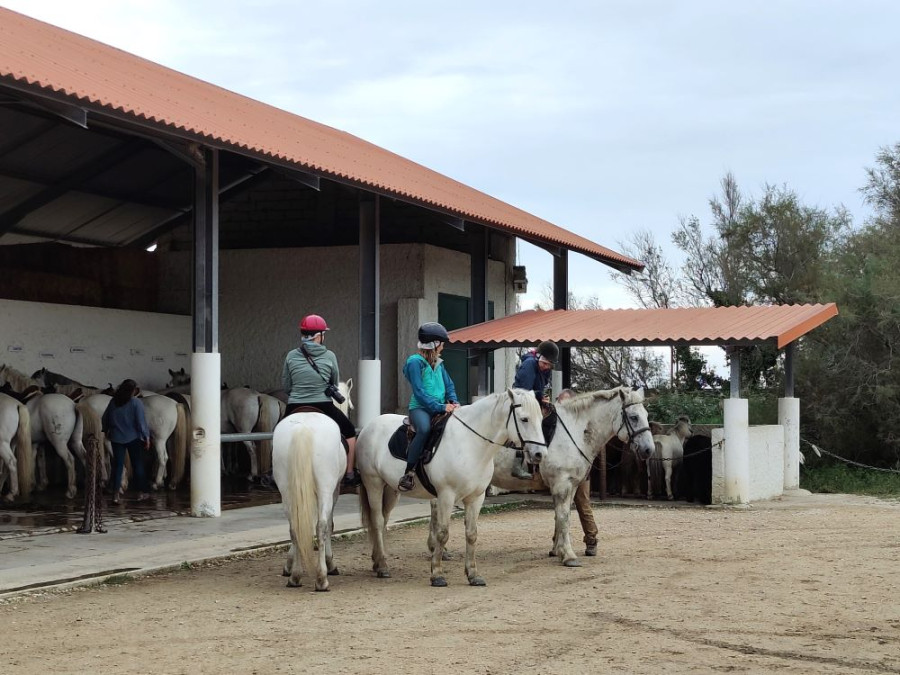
(44, 59)
(781, 324)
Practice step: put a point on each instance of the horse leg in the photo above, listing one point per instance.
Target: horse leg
(668, 470)
(162, 456)
(473, 508)
(376, 531)
(8, 458)
(432, 539)
(289, 561)
(562, 506)
(329, 555)
(441, 526)
(63, 451)
(294, 561)
(323, 536)
(40, 461)
(649, 480)
(254, 464)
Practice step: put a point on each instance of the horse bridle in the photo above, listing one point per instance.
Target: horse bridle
(522, 441)
(632, 432)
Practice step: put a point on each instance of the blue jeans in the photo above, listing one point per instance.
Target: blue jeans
(421, 420)
(135, 449)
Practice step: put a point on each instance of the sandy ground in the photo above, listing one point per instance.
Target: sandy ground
(808, 586)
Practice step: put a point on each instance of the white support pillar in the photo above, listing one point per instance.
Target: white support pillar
(206, 425)
(737, 451)
(369, 387)
(789, 419)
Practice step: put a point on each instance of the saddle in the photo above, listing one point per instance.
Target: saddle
(310, 409)
(401, 438)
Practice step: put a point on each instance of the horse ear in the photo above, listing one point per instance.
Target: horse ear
(640, 393)
(622, 395)
(512, 396)
(171, 372)
(349, 384)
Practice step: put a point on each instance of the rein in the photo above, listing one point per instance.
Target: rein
(574, 442)
(522, 441)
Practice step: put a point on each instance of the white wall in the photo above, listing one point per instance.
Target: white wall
(265, 292)
(92, 345)
(766, 463)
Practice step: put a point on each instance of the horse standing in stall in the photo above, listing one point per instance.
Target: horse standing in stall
(461, 472)
(586, 423)
(308, 462)
(244, 410)
(668, 451)
(15, 447)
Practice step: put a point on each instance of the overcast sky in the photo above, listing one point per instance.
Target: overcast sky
(601, 117)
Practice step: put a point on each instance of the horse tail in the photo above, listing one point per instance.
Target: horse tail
(24, 453)
(265, 423)
(90, 424)
(179, 445)
(282, 408)
(301, 489)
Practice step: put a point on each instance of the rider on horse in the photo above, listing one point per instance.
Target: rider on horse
(534, 373)
(310, 376)
(433, 392)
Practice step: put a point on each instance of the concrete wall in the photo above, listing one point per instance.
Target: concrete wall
(93, 345)
(766, 463)
(265, 292)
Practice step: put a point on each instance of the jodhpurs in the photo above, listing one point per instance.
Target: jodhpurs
(421, 420)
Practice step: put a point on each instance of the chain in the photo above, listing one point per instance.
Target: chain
(820, 451)
(93, 508)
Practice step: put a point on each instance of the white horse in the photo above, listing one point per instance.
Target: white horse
(15, 447)
(669, 452)
(460, 471)
(245, 410)
(308, 462)
(586, 423)
(59, 421)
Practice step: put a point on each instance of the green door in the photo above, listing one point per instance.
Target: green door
(453, 313)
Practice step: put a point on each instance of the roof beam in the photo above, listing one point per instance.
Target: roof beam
(140, 198)
(310, 180)
(72, 181)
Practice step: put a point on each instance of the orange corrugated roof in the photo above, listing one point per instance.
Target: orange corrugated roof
(46, 60)
(780, 324)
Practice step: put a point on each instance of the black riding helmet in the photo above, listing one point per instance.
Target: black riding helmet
(433, 332)
(548, 350)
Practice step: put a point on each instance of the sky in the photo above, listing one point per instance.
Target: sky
(602, 117)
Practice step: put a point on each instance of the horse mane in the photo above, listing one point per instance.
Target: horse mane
(16, 379)
(581, 402)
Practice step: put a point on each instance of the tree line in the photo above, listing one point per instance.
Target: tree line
(774, 249)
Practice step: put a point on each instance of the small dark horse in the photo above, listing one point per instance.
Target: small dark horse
(696, 470)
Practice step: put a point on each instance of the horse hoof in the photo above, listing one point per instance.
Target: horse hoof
(439, 582)
(477, 581)
(285, 573)
(324, 589)
(446, 556)
(334, 572)
(572, 562)
(552, 554)
(383, 574)
(293, 584)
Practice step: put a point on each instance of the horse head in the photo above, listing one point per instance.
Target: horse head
(345, 388)
(523, 424)
(179, 378)
(635, 427)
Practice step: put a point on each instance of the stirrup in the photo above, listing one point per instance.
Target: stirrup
(407, 482)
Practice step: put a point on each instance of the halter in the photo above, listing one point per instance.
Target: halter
(522, 441)
(632, 432)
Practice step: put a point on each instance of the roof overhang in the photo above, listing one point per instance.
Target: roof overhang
(95, 83)
(733, 326)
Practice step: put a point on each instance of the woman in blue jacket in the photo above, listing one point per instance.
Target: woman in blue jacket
(432, 393)
(125, 425)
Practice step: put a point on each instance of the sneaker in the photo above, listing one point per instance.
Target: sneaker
(590, 550)
(407, 483)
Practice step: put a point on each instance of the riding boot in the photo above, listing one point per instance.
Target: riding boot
(519, 470)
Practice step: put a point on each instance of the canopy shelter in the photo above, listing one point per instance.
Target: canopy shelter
(100, 148)
(778, 325)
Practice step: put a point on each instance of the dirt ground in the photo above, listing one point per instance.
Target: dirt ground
(806, 586)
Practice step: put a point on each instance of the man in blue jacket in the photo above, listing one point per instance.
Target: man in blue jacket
(534, 373)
